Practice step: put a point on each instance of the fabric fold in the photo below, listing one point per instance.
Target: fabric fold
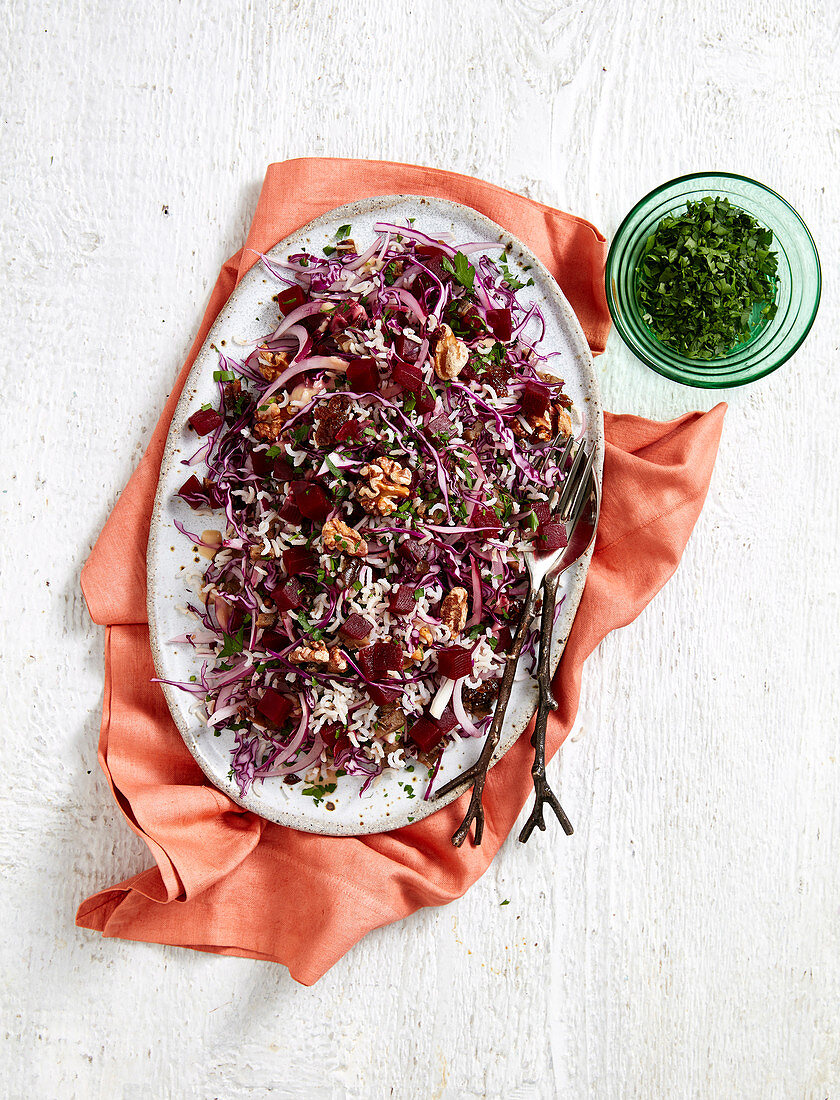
(225, 879)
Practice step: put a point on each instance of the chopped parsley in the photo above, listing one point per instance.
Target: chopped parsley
(707, 278)
(342, 233)
(463, 270)
(509, 277)
(334, 470)
(319, 792)
(233, 643)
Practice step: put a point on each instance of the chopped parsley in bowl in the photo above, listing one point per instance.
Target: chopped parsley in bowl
(713, 280)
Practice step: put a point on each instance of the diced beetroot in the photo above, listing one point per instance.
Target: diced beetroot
(382, 695)
(274, 467)
(409, 376)
(347, 314)
(192, 492)
(406, 349)
(505, 639)
(356, 628)
(447, 721)
(290, 299)
(425, 400)
(470, 319)
(273, 641)
(283, 470)
(365, 658)
(432, 258)
(350, 429)
(262, 463)
(402, 602)
(275, 707)
(311, 499)
(484, 516)
(551, 536)
(290, 512)
(454, 662)
(363, 375)
(542, 512)
(330, 732)
(440, 424)
(426, 734)
(534, 399)
(387, 657)
(289, 594)
(335, 737)
(205, 421)
(500, 324)
(299, 559)
(416, 553)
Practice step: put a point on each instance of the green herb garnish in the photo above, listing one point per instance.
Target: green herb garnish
(223, 376)
(233, 643)
(707, 278)
(463, 270)
(328, 250)
(511, 279)
(342, 233)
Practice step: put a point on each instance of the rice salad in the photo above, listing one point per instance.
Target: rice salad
(366, 483)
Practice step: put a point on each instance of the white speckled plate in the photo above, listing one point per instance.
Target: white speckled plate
(395, 798)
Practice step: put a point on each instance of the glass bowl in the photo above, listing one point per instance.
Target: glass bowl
(797, 292)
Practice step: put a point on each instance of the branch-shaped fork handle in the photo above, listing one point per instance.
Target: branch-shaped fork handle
(477, 774)
(577, 491)
(544, 794)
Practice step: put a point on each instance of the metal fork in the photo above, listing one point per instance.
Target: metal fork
(578, 509)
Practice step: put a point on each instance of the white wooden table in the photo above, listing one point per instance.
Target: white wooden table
(685, 942)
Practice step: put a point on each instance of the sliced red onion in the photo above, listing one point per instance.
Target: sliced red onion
(308, 309)
(366, 255)
(407, 299)
(467, 724)
(414, 235)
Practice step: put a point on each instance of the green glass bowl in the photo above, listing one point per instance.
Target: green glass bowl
(797, 294)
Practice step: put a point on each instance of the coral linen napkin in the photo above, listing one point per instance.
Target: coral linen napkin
(231, 882)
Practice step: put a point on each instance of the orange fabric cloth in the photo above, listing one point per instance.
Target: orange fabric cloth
(228, 881)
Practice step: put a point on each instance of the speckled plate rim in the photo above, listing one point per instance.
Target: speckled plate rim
(414, 809)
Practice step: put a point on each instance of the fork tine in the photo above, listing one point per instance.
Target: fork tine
(564, 457)
(582, 493)
(561, 461)
(570, 484)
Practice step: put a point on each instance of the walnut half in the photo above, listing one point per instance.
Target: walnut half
(338, 536)
(453, 611)
(451, 354)
(384, 484)
(272, 363)
(270, 421)
(314, 653)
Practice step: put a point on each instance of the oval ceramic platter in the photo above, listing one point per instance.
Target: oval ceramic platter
(395, 798)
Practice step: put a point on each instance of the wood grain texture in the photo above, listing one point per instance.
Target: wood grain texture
(685, 942)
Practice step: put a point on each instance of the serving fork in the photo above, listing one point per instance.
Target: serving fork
(578, 509)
